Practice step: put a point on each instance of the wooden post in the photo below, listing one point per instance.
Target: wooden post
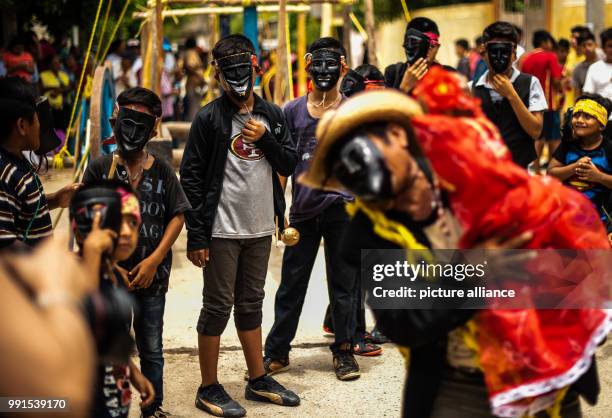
(301, 51)
(157, 53)
(281, 52)
(346, 32)
(369, 18)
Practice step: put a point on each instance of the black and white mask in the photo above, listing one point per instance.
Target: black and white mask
(325, 68)
(237, 72)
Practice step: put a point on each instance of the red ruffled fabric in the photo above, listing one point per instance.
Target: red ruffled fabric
(527, 355)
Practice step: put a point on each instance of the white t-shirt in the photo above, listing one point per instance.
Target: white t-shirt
(537, 99)
(599, 79)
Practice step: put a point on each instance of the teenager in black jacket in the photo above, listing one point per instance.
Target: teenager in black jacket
(238, 144)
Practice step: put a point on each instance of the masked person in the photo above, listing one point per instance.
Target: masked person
(512, 100)
(105, 218)
(585, 162)
(316, 215)
(26, 125)
(364, 77)
(375, 146)
(421, 45)
(237, 144)
(163, 206)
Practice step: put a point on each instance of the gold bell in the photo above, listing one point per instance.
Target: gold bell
(290, 236)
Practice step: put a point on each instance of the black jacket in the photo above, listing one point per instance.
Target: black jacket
(203, 165)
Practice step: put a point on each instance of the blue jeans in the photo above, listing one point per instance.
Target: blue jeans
(148, 326)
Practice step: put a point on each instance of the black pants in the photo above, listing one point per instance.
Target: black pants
(342, 282)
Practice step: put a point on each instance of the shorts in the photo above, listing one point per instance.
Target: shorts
(552, 126)
(234, 277)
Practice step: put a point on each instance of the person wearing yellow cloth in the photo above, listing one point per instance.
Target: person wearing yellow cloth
(584, 161)
(56, 86)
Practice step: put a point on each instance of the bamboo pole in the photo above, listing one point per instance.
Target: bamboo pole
(301, 51)
(327, 15)
(194, 11)
(371, 41)
(281, 52)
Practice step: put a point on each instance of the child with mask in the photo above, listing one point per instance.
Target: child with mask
(26, 125)
(105, 218)
(237, 145)
(512, 100)
(421, 45)
(163, 205)
(585, 162)
(315, 214)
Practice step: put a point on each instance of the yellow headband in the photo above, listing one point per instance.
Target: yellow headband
(592, 108)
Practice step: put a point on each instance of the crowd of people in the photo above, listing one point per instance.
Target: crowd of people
(364, 175)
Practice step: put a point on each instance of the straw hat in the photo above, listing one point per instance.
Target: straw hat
(370, 106)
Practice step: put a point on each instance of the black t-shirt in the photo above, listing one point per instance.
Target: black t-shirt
(161, 199)
(569, 152)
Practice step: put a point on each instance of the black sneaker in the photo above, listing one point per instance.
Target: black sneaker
(271, 366)
(346, 366)
(216, 401)
(269, 390)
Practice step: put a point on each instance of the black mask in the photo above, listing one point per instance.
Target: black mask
(416, 45)
(237, 71)
(133, 129)
(362, 169)
(325, 69)
(48, 138)
(85, 204)
(500, 56)
(352, 83)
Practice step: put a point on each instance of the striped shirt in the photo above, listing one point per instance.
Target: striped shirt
(24, 213)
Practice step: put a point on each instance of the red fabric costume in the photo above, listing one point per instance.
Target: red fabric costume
(527, 355)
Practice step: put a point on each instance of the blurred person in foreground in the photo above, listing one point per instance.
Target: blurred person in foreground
(105, 219)
(394, 159)
(47, 347)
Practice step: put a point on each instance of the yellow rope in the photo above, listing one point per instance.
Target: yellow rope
(406, 12)
(119, 20)
(58, 160)
(101, 37)
(358, 26)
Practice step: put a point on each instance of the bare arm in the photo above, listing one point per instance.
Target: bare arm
(174, 228)
(560, 171)
(531, 122)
